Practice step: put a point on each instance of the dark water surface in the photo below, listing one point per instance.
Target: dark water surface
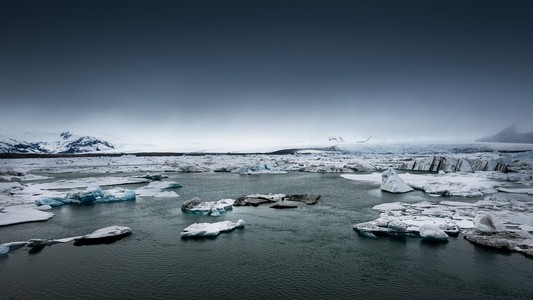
(306, 253)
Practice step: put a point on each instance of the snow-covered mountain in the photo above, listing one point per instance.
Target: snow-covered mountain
(509, 135)
(44, 143)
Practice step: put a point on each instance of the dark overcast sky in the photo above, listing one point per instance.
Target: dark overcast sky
(275, 69)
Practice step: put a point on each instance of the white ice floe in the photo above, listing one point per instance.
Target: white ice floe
(103, 235)
(210, 208)
(107, 232)
(392, 183)
(410, 219)
(444, 184)
(158, 189)
(210, 229)
(22, 214)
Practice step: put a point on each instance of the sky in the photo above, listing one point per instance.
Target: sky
(226, 71)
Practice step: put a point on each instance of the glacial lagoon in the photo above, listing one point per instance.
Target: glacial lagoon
(302, 253)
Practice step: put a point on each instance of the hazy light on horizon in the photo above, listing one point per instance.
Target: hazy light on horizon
(253, 72)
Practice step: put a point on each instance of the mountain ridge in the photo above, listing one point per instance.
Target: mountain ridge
(53, 143)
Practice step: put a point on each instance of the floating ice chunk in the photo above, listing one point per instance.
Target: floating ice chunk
(117, 195)
(308, 199)
(210, 229)
(432, 232)
(157, 189)
(488, 223)
(104, 235)
(513, 241)
(89, 196)
(210, 208)
(392, 183)
(256, 199)
(55, 201)
(22, 214)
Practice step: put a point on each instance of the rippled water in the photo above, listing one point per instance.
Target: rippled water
(304, 253)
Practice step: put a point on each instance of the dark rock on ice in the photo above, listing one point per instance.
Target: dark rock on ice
(306, 198)
(257, 199)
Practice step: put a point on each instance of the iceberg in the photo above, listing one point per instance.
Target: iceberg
(494, 222)
(89, 196)
(103, 235)
(210, 208)
(392, 183)
(511, 241)
(210, 229)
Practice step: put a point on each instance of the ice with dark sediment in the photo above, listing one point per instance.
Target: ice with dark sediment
(489, 231)
(499, 216)
(257, 199)
(102, 235)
